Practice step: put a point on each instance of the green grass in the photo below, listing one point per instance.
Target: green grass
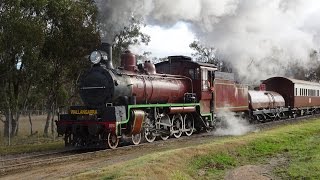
(19, 149)
(213, 164)
(299, 144)
(26, 144)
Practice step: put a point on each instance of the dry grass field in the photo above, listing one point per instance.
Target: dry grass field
(38, 123)
(25, 142)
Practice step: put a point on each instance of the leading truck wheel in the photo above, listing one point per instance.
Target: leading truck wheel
(113, 141)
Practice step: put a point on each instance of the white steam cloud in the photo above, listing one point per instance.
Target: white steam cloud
(259, 37)
(232, 125)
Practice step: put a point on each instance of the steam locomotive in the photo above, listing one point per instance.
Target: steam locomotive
(170, 98)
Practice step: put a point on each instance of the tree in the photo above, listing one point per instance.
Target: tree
(130, 35)
(299, 71)
(71, 34)
(42, 49)
(203, 53)
(208, 54)
(21, 40)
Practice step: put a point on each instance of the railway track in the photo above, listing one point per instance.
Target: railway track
(12, 165)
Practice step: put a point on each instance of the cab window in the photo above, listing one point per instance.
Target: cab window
(204, 77)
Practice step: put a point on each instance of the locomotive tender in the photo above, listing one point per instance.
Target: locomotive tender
(170, 98)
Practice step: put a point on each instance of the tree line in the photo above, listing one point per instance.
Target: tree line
(43, 49)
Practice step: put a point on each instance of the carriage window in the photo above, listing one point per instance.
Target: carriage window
(296, 91)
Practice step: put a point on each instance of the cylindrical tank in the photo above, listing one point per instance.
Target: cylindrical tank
(265, 100)
(128, 61)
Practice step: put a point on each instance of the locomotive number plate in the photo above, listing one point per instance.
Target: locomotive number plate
(84, 111)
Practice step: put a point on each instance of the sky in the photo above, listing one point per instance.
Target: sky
(166, 41)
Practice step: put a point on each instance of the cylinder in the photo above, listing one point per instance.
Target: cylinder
(138, 117)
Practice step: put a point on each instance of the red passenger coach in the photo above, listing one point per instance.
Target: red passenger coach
(297, 93)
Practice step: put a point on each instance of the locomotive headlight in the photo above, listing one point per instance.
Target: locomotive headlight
(95, 57)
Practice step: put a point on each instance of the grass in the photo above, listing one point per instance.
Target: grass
(24, 143)
(299, 144)
(28, 148)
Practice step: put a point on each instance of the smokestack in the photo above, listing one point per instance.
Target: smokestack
(106, 47)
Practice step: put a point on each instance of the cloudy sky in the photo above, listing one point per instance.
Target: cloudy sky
(262, 37)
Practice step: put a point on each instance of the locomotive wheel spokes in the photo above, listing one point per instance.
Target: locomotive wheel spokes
(189, 124)
(150, 137)
(136, 138)
(177, 125)
(166, 120)
(113, 141)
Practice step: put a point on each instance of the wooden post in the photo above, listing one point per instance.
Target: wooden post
(9, 126)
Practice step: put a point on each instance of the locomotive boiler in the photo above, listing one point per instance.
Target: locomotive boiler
(131, 84)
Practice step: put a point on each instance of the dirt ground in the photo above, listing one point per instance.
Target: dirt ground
(257, 172)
